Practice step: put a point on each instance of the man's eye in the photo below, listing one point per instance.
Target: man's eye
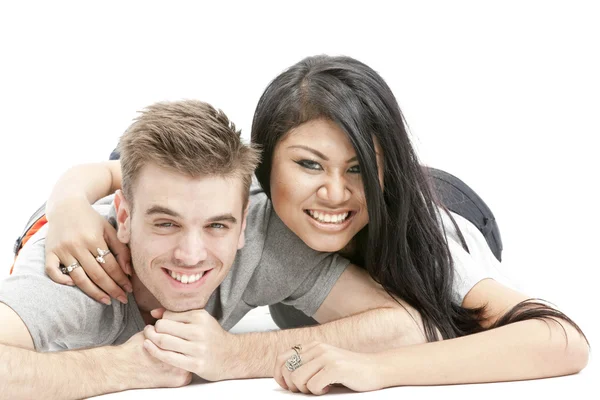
(217, 226)
(309, 164)
(164, 225)
(354, 169)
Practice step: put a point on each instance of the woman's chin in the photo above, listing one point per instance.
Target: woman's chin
(325, 246)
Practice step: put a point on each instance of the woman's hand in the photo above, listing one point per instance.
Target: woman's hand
(75, 234)
(323, 365)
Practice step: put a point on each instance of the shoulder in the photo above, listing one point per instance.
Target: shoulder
(473, 263)
(58, 317)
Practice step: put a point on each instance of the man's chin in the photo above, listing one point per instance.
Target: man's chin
(182, 306)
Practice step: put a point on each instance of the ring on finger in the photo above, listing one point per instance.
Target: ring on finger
(70, 268)
(295, 361)
(101, 254)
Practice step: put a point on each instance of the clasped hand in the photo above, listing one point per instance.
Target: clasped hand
(190, 340)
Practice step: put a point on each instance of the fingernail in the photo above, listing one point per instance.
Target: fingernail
(105, 300)
(122, 299)
(128, 288)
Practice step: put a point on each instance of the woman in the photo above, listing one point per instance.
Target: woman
(341, 173)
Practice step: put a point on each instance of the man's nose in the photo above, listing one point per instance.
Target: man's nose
(191, 249)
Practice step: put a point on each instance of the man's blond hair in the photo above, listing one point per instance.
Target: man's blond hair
(190, 137)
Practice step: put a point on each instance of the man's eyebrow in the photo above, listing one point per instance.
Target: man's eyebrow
(162, 210)
(223, 218)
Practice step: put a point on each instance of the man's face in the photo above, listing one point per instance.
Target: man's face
(183, 234)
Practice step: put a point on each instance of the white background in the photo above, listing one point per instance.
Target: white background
(503, 94)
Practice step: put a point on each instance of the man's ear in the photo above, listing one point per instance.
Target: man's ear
(242, 239)
(123, 217)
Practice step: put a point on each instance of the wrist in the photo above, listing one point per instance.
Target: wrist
(386, 368)
(252, 355)
(235, 364)
(121, 364)
(65, 204)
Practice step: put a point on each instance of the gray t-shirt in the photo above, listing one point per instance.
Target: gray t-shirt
(273, 266)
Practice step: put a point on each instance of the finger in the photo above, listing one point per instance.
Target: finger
(172, 358)
(119, 250)
(319, 383)
(288, 380)
(285, 373)
(174, 328)
(98, 276)
(305, 372)
(167, 342)
(52, 268)
(277, 370)
(187, 317)
(157, 313)
(112, 269)
(84, 283)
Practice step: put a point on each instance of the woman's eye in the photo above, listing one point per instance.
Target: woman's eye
(354, 169)
(309, 164)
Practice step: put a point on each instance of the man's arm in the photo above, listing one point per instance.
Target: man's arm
(26, 374)
(357, 315)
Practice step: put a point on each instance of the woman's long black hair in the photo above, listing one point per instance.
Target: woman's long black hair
(403, 247)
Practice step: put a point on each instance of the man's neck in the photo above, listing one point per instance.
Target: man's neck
(145, 301)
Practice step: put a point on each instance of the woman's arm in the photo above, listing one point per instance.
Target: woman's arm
(89, 182)
(69, 241)
(528, 349)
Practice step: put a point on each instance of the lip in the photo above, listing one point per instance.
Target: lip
(329, 227)
(189, 286)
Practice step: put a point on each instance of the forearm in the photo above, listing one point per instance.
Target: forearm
(524, 350)
(370, 331)
(88, 182)
(26, 374)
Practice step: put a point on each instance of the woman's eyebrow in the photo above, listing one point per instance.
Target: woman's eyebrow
(318, 153)
(315, 152)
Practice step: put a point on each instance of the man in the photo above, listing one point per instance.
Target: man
(183, 212)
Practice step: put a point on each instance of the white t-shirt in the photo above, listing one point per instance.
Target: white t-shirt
(474, 265)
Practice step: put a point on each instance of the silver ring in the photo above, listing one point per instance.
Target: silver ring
(101, 254)
(70, 268)
(295, 361)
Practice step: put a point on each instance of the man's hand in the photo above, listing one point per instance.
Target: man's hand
(155, 372)
(191, 340)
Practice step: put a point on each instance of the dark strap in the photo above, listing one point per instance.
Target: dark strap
(459, 198)
(32, 220)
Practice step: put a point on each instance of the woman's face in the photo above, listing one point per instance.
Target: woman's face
(316, 185)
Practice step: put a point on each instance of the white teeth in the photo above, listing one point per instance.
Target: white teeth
(186, 278)
(328, 218)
